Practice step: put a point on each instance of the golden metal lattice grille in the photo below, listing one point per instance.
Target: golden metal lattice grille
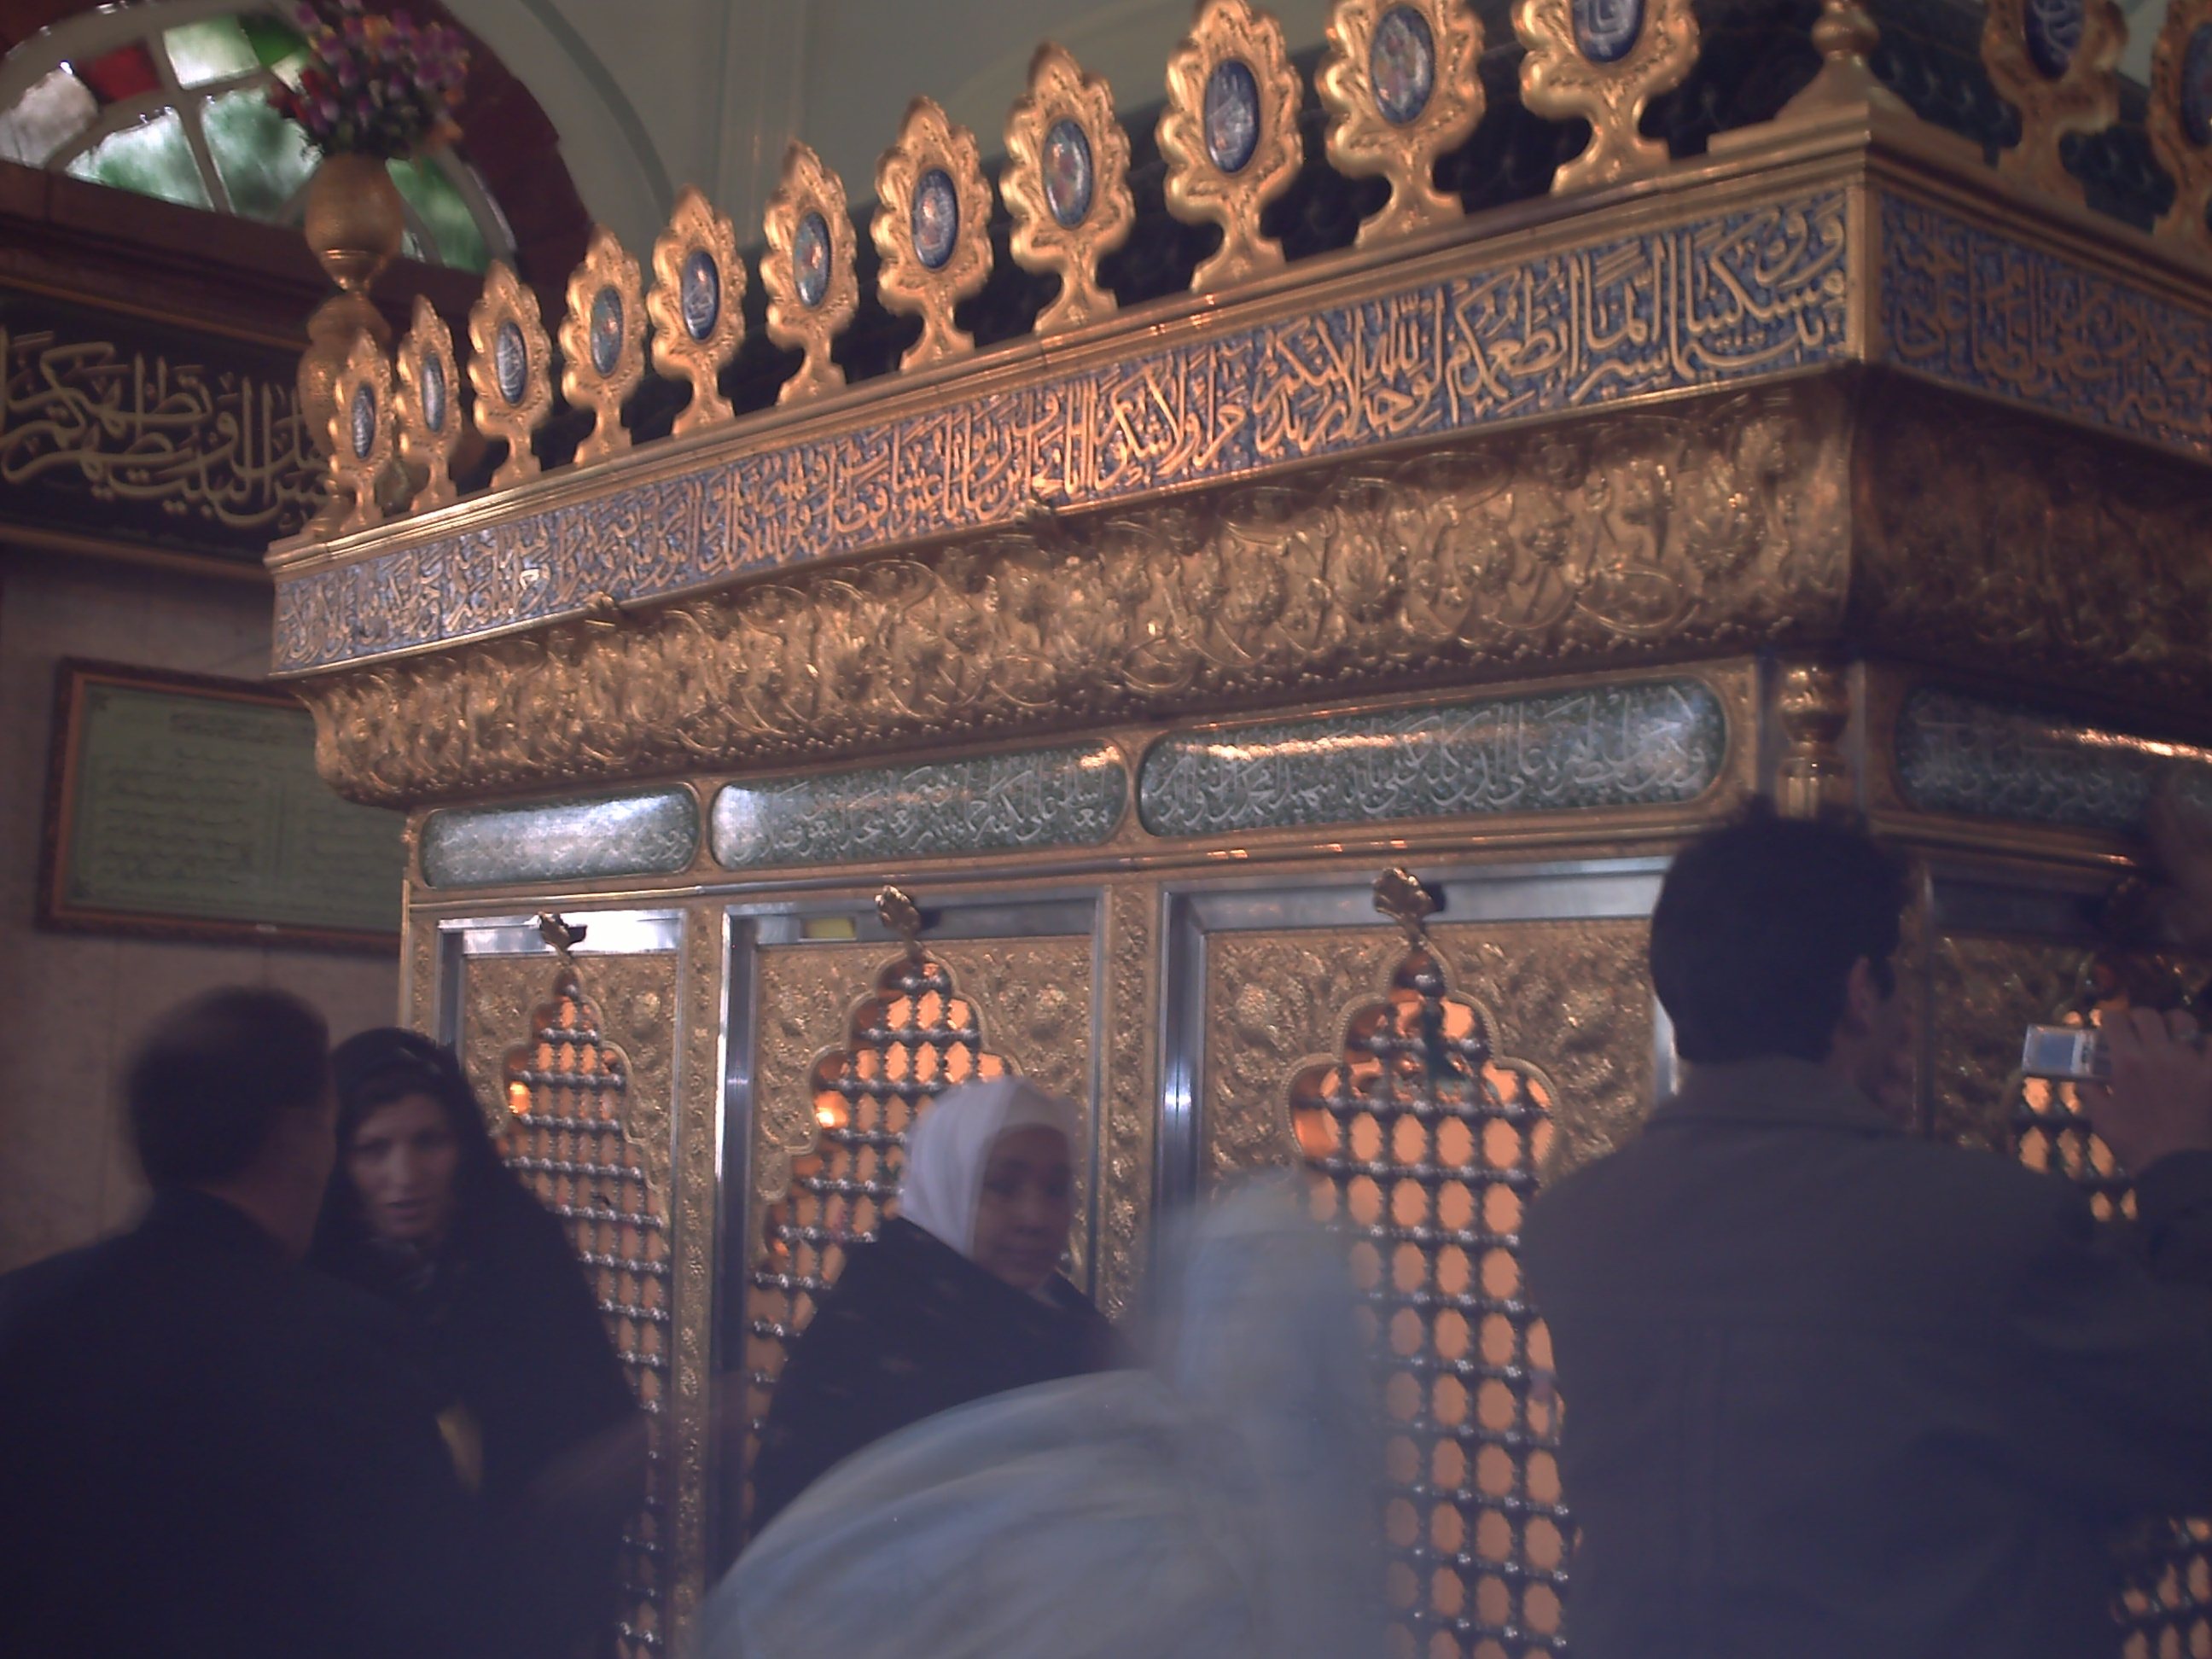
(910, 1038)
(2166, 1596)
(1427, 1146)
(566, 1092)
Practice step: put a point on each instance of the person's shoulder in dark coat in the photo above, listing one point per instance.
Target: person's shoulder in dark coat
(911, 1328)
(1831, 1389)
(208, 1450)
(528, 1347)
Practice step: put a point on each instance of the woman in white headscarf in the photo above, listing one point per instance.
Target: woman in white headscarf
(958, 1298)
(1219, 1504)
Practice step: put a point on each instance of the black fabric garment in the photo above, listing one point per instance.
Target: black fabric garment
(511, 1331)
(1832, 1392)
(911, 1328)
(209, 1451)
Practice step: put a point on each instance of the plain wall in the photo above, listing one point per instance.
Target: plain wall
(75, 1003)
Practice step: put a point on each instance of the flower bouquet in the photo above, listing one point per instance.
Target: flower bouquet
(375, 85)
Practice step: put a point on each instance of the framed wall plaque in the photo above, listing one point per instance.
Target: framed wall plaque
(187, 807)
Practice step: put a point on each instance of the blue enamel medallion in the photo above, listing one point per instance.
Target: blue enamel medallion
(936, 217)
(2054, 34)
(1232, 114)
(810, 259)
(1606, 29)
(606, 330)
(1401, 65)
(1067, 172)
(510, 362)
(434, 392)
(699, 291)
(364, 422)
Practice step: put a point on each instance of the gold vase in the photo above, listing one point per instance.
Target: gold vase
(353, 228)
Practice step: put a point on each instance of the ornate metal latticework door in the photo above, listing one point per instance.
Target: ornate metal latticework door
(2166, 1599)
(913, 1036)
(1427, 1146)
(568, 1134)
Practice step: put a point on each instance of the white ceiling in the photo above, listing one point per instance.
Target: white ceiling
(650, 95)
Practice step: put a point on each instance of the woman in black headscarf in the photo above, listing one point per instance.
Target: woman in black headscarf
(421, 1210)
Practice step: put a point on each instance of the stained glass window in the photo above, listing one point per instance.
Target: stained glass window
(152, 157)
(181, 113)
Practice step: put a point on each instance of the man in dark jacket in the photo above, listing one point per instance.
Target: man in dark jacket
(1833, 1392)
(206, 1450)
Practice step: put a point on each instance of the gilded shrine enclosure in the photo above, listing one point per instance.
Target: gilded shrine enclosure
(1050, 695)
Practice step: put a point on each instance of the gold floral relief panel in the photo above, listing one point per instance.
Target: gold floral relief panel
(698, 1081)
(419, 996)
(1571, 997)
(1709, 528)
(802, 994)
(635, 996)
(1129, 1090)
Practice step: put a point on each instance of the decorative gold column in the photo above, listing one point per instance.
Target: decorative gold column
(1813, 705)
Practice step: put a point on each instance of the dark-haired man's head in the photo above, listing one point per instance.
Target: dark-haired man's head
(230, 1094)
(1776, 936)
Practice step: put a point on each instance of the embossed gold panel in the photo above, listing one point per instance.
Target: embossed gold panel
(1710, 528)
(1572, 997)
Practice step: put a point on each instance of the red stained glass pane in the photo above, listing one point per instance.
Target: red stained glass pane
(122, 74)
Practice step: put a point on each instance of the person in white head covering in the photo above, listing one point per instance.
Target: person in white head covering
(1217, 1505)
(959, 1297)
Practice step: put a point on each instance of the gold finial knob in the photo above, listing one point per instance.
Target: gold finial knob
(1400, 896)
(558, 931)
(1845, 37)
(903, 916)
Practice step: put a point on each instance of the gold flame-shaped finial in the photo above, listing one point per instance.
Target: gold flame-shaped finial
(1400, 896)
(558, 931)
(903, 916)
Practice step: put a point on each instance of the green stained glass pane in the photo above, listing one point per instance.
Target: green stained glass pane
(216, 50)
(440, 206)
(152, 159)
(263, 158)
(273, 41)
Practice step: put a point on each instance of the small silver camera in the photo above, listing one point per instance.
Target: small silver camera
(2066, 1053)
